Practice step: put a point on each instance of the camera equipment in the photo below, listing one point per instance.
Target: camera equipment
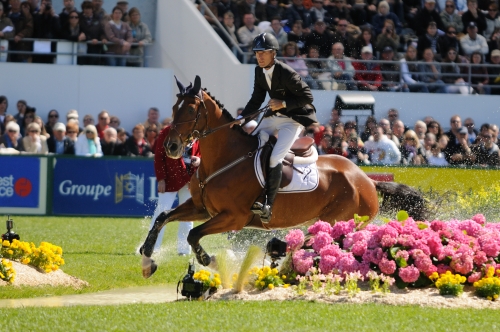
(10, 235)
(192, 289)
(276, 249)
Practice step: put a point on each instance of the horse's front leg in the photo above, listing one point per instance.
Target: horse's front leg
(184, 212)
(223, 222)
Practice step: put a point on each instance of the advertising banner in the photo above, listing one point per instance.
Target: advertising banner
(104, 187)
(20, 185)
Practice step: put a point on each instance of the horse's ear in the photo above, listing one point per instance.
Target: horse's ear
(197, 85)
(181, 87)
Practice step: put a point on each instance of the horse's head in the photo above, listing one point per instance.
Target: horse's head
(187, 122)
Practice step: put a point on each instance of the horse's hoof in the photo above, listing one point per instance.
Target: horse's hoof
(149, 267)
(213, 264)
(203, 259)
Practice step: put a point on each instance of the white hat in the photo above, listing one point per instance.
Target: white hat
(495, 53)
(59, 127)
(367, 49)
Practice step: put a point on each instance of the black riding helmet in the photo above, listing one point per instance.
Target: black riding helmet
(265, 41)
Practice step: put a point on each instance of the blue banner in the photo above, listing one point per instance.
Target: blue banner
(102, 187)
(19, 183)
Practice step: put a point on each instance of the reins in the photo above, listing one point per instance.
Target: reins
(210, 131)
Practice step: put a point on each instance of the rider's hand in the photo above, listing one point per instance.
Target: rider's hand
(275, 104)
(161, 186)
(237, 124)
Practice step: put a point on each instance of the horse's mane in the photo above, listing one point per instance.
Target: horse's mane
(226, 113)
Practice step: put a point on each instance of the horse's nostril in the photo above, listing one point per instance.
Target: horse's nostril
(173, 147)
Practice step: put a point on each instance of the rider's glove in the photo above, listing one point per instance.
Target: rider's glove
(242, 121)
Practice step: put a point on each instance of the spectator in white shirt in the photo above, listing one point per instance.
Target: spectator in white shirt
(473, 41)
(382, 150)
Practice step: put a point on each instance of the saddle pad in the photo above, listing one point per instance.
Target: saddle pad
(304, 181)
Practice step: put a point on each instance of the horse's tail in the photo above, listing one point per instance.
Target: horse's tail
(396, 197)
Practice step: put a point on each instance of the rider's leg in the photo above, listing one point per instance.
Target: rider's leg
(183, 247)
(289, 130)
(165, 202)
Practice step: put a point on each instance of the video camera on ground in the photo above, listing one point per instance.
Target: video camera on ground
(10, 235)
(191, 288)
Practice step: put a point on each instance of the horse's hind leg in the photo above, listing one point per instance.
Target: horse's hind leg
(184, 212)
(222, 222)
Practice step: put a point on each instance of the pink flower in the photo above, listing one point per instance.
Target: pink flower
(406, 240)
(387, 266)
(480, 258)
(302, 260)
(476, 276)
(374, 256)
(294, 239)
(387, 241)
(422, 261)
(479, 218)
(342, 228)
(348, 263)
(327, 263)
(320, 226)
(472, 228)
(359, 248)
(321, 239)
(409, 274)
(403, 254)
(330, 250)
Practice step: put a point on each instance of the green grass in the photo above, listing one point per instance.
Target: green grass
(249, 316)
(101, 251)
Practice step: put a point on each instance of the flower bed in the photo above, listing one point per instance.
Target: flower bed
(47, 257)
(413, 253)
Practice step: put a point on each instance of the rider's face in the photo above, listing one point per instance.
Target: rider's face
(265, 58)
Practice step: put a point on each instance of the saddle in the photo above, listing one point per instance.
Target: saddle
(300, 148)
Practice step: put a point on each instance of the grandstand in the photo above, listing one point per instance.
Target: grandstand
(186, 45)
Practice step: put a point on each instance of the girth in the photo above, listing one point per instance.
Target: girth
(300, 148)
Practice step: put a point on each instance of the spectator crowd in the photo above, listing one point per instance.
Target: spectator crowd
(444, 46)
(120, 35)
(26, 132)
(389, 141)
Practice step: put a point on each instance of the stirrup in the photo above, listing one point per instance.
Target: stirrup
(257, 208)
(265, 214)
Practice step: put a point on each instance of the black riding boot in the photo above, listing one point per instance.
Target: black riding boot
(272, 187)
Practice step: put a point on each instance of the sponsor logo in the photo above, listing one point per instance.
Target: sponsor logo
(21, 187)
(129, 186)
(67, 188)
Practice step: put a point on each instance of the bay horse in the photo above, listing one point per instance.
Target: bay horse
(225, 186)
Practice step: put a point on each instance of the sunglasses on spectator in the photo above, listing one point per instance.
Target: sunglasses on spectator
(87, 119)
(12, 131)
(452, 32)
(455, 121)
(89, 132)
(409, 139)
(114, 121)
(34, 131)
(486, 136)
(73, 17)
(433, 127)
(450, 6)
(53, 116)
(469, 125)
(103, 118)
(71, 132)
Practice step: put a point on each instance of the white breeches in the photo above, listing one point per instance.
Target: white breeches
(165, 202)
(286, 129)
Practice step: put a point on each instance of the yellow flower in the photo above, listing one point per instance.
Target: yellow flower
(283, 277)
(262, 283)
(270, 286)
(6, 243)
(25, 261)
(10, 252)
(286, 285)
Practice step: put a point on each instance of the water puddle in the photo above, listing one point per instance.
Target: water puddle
(146, 294)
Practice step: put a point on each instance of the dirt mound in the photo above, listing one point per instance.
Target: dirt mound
(29, 276)
(426, 297)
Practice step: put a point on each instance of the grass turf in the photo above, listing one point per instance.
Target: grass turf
(102, 251)
(249, 316)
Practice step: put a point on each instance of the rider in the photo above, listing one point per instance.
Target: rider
(291, 105)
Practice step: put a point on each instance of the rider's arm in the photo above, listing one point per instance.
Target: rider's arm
(301, 93)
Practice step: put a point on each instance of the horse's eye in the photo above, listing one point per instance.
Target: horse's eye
(191, 109)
